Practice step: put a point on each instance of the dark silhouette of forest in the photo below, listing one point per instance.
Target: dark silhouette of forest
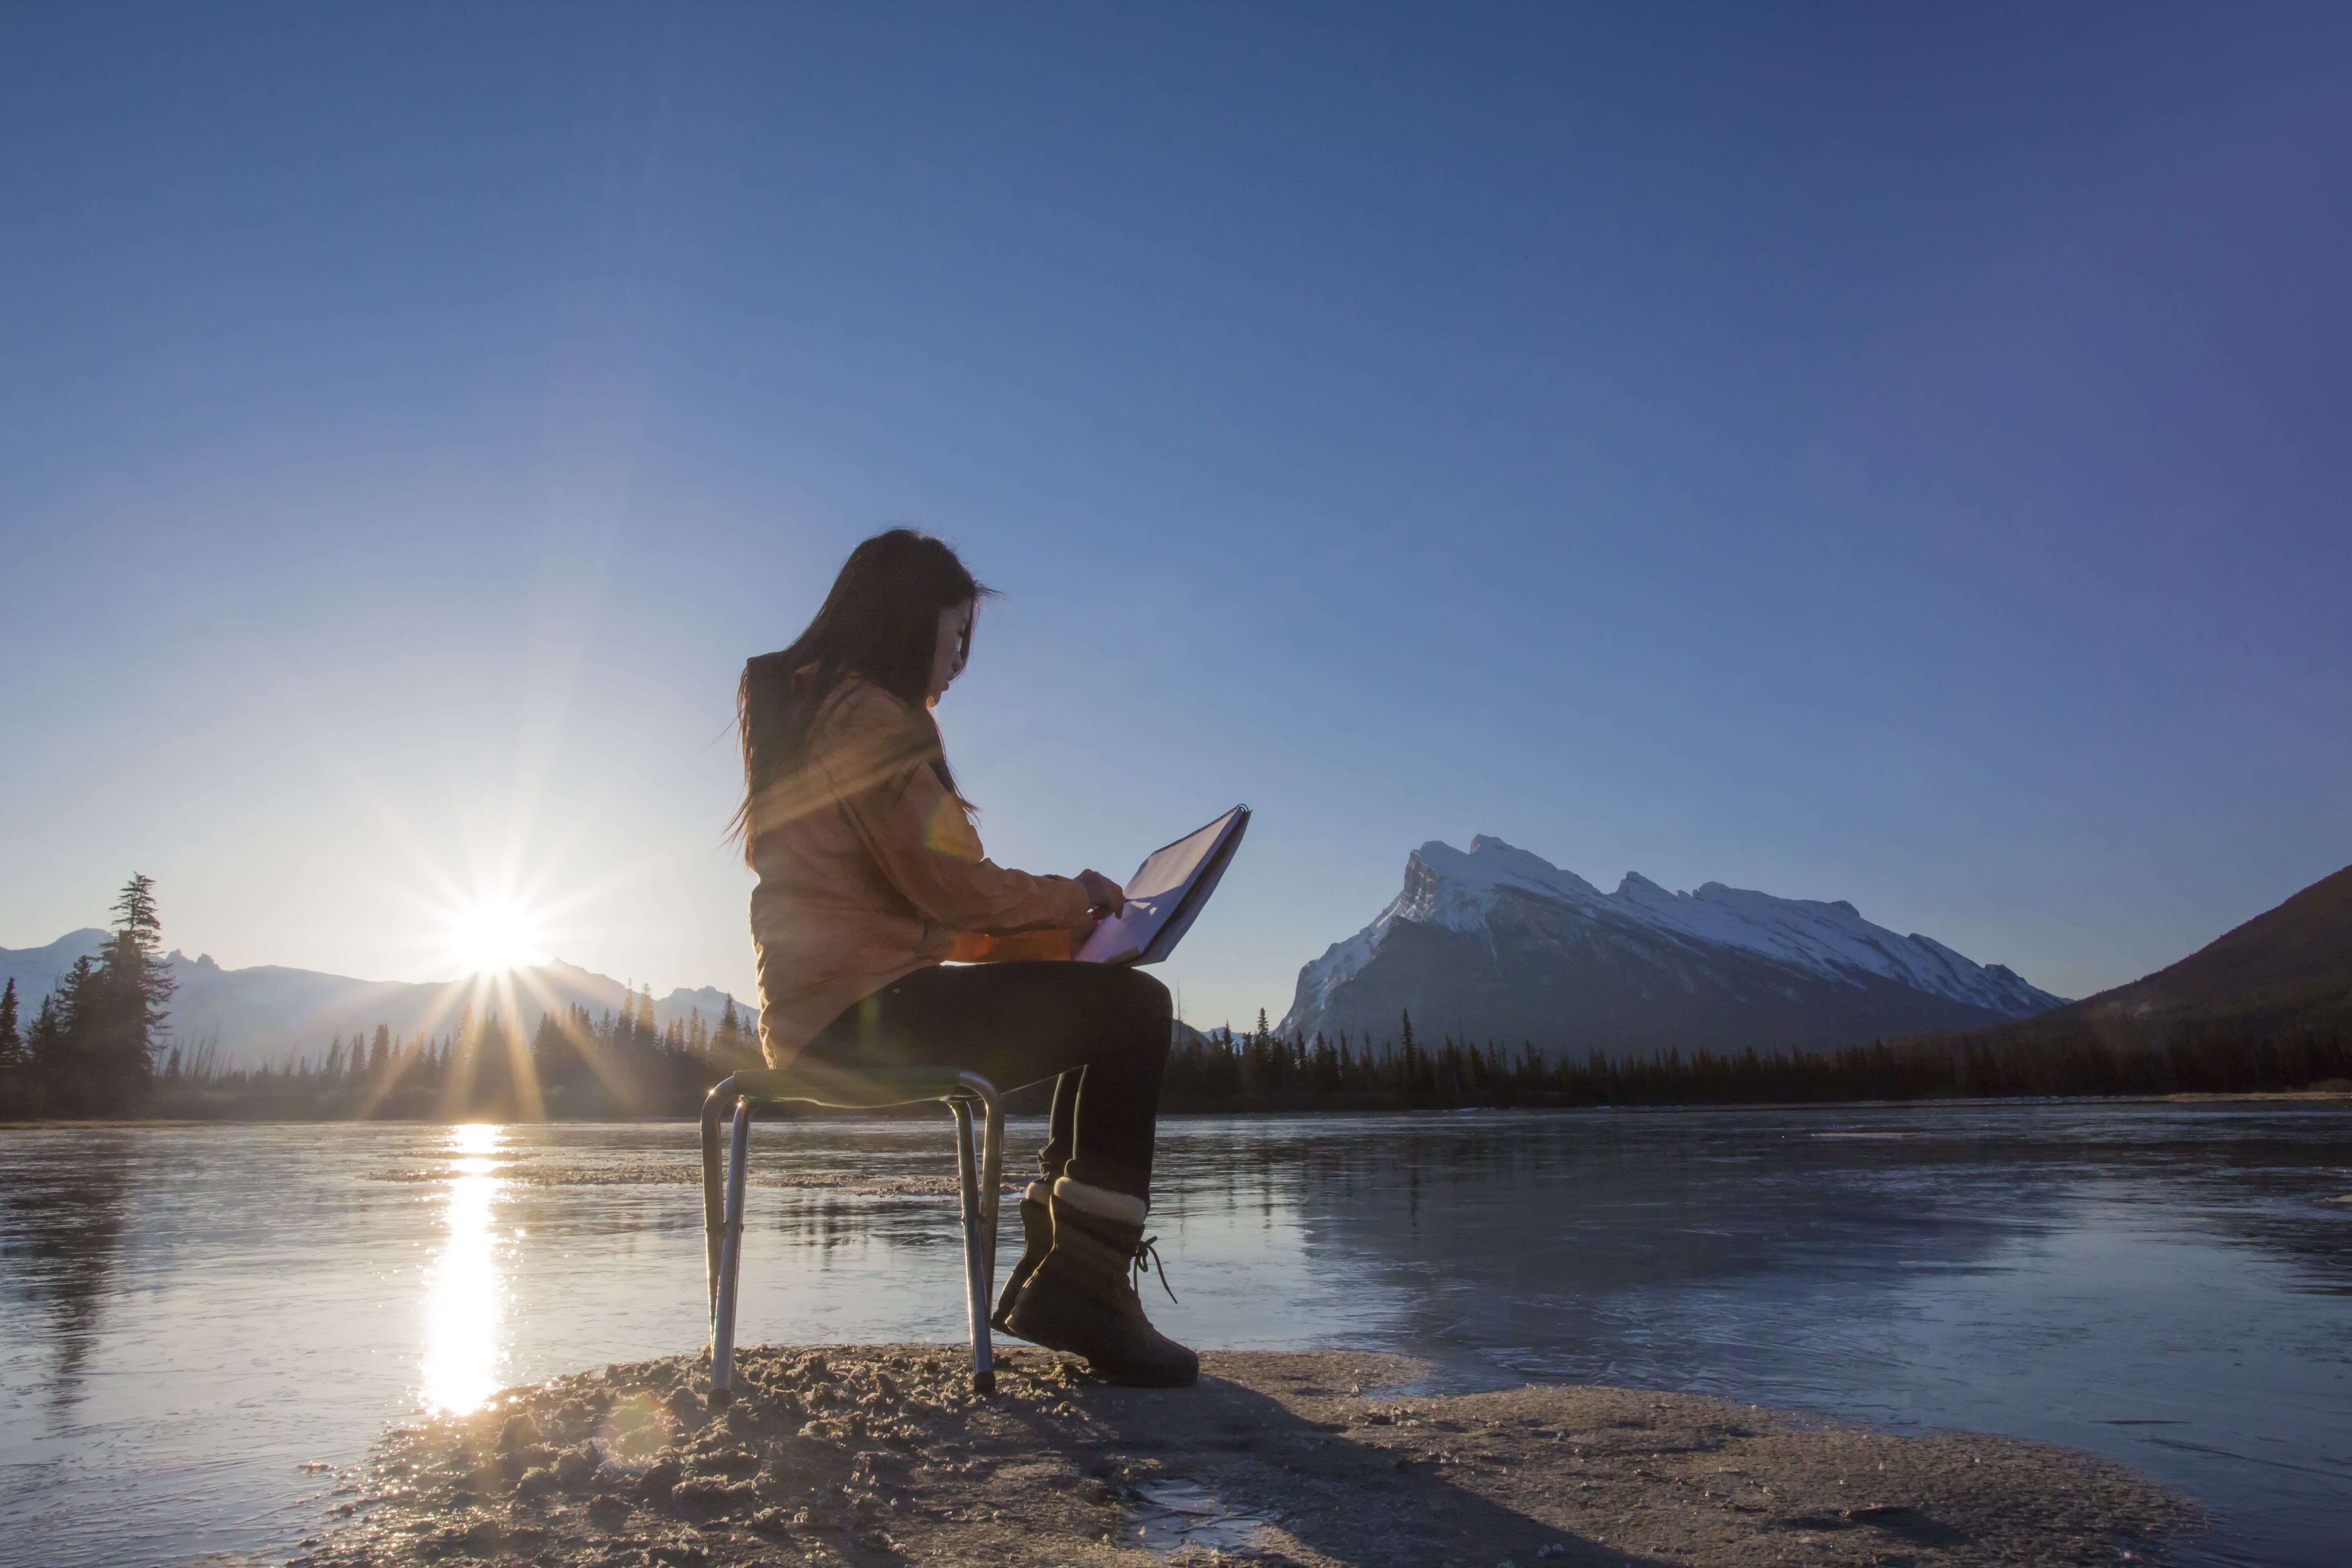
(1261, 1070)
(575, 1065)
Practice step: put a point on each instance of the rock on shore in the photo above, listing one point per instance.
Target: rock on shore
(874, 1455)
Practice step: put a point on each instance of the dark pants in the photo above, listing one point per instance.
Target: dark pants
(1105, 1029)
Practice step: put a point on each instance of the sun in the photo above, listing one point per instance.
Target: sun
(491, 936)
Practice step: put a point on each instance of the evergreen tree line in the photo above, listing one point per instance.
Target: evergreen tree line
(1262, 1070)
(576, 1063)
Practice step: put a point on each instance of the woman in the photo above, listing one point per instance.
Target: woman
(871, 878)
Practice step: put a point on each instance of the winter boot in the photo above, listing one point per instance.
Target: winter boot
(1082, 1298)
(1036, 1240)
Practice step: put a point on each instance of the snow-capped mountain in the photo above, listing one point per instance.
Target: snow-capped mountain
(270, 1014)
(1497, 944)
(37, 970)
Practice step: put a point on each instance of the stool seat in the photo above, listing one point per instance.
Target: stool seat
(742, 1097)
(849, 1088)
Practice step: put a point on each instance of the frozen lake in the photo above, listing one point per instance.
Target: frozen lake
(194, 1314)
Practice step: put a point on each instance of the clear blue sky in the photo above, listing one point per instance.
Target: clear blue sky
(1867, 452)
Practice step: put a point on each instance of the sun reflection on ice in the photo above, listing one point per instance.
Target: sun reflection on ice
(463, 1291)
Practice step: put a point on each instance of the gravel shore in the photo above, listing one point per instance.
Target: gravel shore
(877, 1455)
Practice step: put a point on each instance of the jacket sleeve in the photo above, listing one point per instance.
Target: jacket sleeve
(926, 846)
(920, 835)
(1053, 944)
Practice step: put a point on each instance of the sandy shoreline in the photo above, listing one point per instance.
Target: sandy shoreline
(874, 1455)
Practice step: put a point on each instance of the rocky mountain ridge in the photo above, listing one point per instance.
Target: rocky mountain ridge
(1498, 943)
(2287, 973)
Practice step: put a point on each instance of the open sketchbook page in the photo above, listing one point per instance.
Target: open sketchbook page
(1170, 884)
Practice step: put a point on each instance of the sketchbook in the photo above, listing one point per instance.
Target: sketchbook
(1165, 894)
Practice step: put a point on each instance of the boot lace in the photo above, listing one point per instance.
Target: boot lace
(1145, 1259)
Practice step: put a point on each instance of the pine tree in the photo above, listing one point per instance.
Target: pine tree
(62, 1057)
(548, 1049)
(12, 1043)
(46, 1040)
(120, 1013)
(731, 1044)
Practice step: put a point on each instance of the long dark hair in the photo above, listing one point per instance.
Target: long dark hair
(880, 625)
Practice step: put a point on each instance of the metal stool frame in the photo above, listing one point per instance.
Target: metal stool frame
(745, 1093)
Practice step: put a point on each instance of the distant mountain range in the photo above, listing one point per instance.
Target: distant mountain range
(1499, 944)
(1491, 944)
(2287, 970)
(268, 1013)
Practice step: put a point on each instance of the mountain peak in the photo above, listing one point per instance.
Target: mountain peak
(1515, 910)
(36, 970)
(1491, 863)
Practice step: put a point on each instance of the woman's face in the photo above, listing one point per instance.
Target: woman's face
(954, 645)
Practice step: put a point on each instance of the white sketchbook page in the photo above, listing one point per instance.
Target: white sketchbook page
(1153, 894)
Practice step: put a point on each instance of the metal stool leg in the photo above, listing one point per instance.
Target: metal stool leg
(714, 1194)
(992, 1184)
(730, 1260)
(975, 1252)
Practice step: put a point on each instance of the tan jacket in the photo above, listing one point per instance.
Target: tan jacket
(870, 869)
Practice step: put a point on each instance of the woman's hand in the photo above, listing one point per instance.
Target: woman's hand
(1105, 897)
